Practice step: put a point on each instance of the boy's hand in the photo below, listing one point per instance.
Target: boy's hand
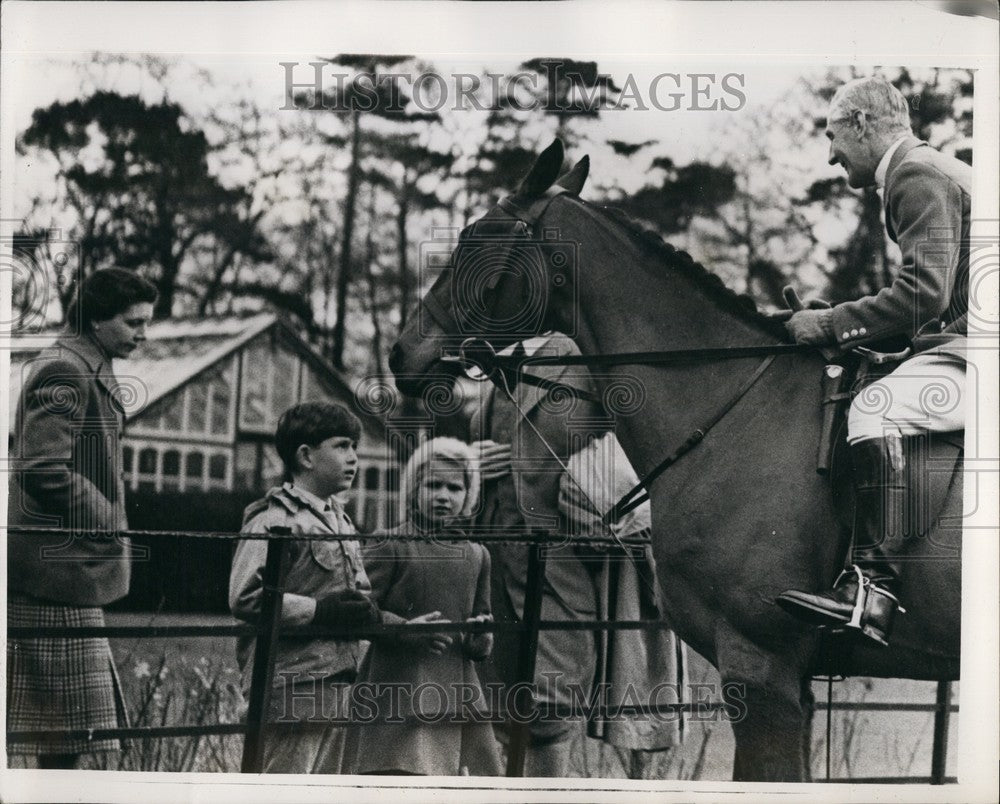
(347, 608)
(494, 459)
(428, 641)
(478, 646)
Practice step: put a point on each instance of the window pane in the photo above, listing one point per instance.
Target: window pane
(127, 459)
(221, 394)
(197, 404)
(173, 413)
(283, 391)
(147, 461)
(150, 418)
(217, 467)
(272, 470)
(194, 464)
(171, 462)
(255, 366)
(313, 389)
(371, 477)
(246, 466)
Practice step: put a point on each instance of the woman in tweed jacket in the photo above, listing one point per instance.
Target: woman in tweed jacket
(66, 458)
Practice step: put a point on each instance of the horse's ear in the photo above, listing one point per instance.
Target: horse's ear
(574, 180)
(544, 171)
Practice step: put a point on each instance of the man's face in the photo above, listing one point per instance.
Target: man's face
(119, 336)
(332, 465)
(850, 147)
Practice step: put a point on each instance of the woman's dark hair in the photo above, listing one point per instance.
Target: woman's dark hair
(312, 423)
(106, 293)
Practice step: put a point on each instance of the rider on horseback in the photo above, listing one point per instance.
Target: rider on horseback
(927, 199)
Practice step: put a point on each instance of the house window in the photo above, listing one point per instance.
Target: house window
(217, 465)
(173, 413)
(272, 469)
(197, 394)
(146, 476)
(194, 469)
(147, 461)
(246, 469)
(221, 397)
(150, 419)
(254, 407)
(201, 408)
(269, 387)
(171, 470)
(282, 383)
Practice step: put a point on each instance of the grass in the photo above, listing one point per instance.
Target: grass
(172, 682)
(194, 681)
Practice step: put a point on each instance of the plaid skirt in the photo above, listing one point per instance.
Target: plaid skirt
(57, 683)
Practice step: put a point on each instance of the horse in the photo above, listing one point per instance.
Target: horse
(743, 515)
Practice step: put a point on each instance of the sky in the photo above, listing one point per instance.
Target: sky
(686, 134)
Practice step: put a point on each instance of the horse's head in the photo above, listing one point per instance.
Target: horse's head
(499, 281)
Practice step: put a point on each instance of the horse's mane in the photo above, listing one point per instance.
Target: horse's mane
(738, 303)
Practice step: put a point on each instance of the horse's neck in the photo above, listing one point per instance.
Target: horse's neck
(630, 308)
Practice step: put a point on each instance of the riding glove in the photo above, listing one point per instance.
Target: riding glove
(811, 326)
(346, 609)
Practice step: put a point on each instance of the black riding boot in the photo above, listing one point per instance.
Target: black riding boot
(864, 596)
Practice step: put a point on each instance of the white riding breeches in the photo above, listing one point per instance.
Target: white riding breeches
(924, 394)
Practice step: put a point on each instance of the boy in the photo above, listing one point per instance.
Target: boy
(325, 584)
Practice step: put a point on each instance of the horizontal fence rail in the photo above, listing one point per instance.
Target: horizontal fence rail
(543, 547)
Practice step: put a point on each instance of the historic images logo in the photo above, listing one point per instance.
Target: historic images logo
(552, 86)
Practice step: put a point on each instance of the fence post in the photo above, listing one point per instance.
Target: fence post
(942, 716)
(264, 653)
(524, 701)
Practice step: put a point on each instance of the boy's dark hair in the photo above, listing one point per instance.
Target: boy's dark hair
(106, 293)
(312, 423)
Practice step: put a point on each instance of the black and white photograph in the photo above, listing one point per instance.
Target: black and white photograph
(500, 401)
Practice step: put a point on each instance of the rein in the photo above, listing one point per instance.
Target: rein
(510, 367)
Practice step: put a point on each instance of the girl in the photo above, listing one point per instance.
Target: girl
(425, 685)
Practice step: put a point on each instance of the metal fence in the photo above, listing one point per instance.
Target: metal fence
(266, 632)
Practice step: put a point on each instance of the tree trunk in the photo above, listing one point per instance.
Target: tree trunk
(370, 255)
(344, 276)
(401, 243)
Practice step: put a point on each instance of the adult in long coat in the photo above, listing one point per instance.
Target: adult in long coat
(927, 197)
(66, 457)
(521, 480)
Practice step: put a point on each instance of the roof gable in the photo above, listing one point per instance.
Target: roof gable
(178, 350)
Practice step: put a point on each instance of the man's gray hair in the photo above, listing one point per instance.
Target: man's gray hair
(883, 104)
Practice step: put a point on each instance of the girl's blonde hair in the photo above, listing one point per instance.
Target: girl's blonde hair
(440, 449)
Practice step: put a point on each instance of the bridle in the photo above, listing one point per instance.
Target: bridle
(478, 352)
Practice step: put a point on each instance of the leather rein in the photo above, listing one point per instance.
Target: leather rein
(478, 352)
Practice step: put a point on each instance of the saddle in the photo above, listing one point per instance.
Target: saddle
(932, 459)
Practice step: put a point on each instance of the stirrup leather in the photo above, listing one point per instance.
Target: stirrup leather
(874, 606)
